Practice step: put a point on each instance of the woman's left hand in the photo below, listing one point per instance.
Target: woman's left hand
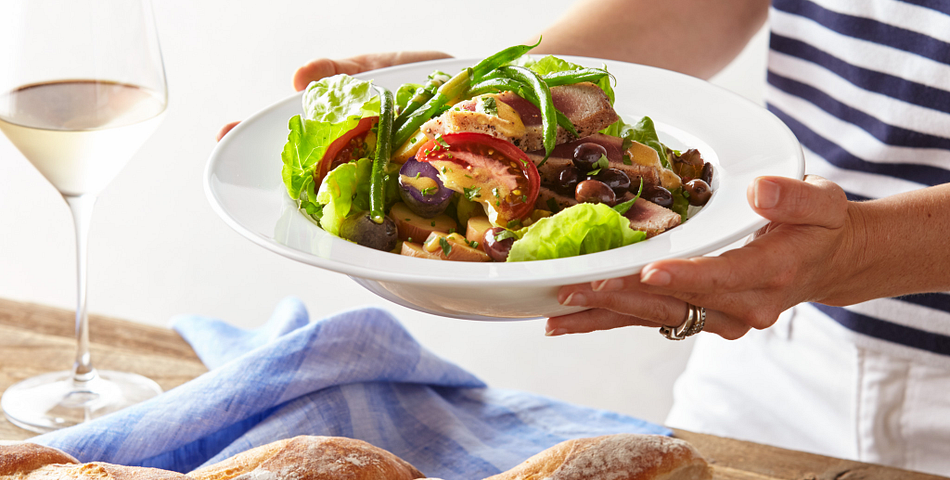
(807, 248)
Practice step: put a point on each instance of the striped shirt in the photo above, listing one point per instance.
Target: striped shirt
(865, 86)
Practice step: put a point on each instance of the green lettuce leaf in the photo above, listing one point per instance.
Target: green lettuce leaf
(345, 191)
(306, 143)
(404, 95)
(332, 107)
(339, 98)
(644, 132)
(338, 192)
(581, 229)
(552, 64)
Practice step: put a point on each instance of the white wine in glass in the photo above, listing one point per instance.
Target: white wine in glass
(82, 86)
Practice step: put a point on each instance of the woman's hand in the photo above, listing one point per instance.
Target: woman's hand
(325, 67)
(808, 249)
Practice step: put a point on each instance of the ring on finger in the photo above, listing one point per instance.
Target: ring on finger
(694, 323)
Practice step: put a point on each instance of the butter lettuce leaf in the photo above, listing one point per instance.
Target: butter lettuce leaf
(332, 107)
(345, 191)
(578, 230)
(306, 143)
(339, 98)
(338, 193)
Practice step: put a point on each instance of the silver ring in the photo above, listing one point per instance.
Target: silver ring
(694, 323)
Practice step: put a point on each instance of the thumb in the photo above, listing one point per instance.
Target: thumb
(814, 201)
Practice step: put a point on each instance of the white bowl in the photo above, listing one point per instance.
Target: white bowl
(741, 139)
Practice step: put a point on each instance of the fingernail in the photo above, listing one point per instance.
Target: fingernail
(657, 278)
(575, 299)
(766, 194)
(608, 285)
(555, 332)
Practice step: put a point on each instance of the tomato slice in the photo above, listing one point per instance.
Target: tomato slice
(488, 170)
(351, 146)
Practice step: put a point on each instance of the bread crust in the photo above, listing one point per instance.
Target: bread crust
(23, 458)
(311, 458)
(614, 457)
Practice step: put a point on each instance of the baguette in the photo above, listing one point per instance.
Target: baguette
(311, 458)
(614, 457)
(29, 461)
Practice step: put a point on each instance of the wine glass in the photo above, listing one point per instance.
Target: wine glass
(82, 86)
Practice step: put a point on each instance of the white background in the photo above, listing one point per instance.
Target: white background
(157, 249)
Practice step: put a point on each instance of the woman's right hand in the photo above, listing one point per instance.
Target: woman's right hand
(325, 67)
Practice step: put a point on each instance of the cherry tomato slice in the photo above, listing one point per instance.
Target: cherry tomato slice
(351, 146)
(487, 170)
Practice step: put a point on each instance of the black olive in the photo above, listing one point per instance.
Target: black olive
(699, 192)
(707, 174)
(657, 195)
(567, 179)
(361, 229)
(594, 191)
(616, 179)
(497, 249)
(587, 154)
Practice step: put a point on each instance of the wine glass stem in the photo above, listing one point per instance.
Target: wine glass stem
(81, 208)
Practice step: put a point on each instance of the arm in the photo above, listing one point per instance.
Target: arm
(819, 247)
(698, 38)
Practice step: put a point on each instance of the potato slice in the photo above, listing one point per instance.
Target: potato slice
(476, 228)
(412, 226)
(458, 248)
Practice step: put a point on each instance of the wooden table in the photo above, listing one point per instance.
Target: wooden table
(36, 339)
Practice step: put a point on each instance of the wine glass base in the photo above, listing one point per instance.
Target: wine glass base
(55, 400)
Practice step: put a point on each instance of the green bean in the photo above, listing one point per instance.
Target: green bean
(494, 85)
(423, 94)
(449, 90)
(377, 194)
(543, 94)
(570, 77)
(492, 62)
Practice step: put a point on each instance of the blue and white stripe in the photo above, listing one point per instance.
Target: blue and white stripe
(865, 86)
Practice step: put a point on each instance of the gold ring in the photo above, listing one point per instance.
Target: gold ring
(694, 323)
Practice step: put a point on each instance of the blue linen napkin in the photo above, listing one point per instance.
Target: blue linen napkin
(356, 374)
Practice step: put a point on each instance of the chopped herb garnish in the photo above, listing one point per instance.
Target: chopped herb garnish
(602, 162)
(593, 172)
(446, 246)
(552, 205)
(471, 193)
(627, 160)
(429, 191)
(516, 223)
(505, 235)
(489, 106)
(441, 141)
(433, 223)
(474, 244)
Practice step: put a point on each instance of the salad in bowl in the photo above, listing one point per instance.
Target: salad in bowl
(511, 159)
